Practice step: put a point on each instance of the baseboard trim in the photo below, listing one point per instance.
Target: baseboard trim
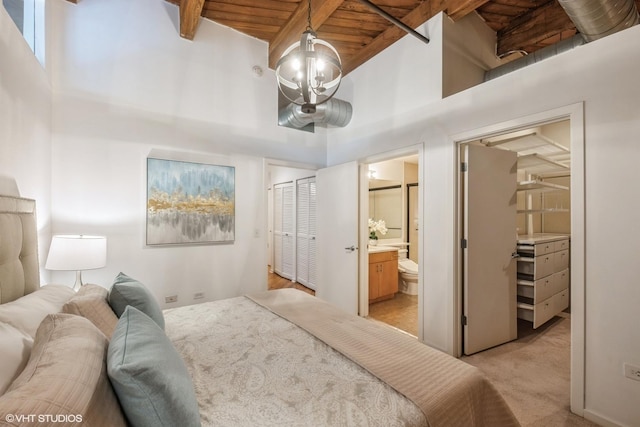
(604, 422)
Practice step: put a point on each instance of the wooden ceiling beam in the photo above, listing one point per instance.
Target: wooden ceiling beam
(190, 11)
(534, 27)
(415, 18)
(292, 30)
(458, 9)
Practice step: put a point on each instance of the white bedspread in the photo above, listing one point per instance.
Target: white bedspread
(252, 368)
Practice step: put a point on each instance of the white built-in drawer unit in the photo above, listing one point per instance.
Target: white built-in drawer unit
(543, 276)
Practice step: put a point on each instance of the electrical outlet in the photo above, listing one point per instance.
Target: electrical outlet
(632, 372)
(198, 295)
(171, 298)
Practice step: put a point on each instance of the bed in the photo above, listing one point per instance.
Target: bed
(276, 358)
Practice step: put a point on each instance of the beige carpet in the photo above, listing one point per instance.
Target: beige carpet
(532, 373)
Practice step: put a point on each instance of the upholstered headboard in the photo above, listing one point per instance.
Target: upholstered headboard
(19, 270)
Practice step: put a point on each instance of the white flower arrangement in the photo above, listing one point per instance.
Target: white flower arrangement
(376, 226)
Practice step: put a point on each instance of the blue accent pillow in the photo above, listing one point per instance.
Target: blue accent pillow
(127, 291)
(148, 375)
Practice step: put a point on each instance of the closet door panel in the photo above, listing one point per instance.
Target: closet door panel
(277, 229)
(312, 263)
(287, 229)
(302, 232)
(312, 234)
(283, 230)
(305, 232)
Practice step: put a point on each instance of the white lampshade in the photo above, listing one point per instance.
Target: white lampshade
(77, 252)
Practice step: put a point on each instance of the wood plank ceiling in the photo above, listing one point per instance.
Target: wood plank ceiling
(358, 33)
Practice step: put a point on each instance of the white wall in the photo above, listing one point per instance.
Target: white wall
(25, 125)
(603, 74)
(279, 174)
(413, 77)
(126, 85)
(468, 51)
(124, 61)
(100, 188)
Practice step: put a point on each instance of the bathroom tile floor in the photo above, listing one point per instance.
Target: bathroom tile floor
(401, 312)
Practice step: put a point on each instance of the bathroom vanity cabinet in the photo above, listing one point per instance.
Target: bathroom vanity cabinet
(383, 275)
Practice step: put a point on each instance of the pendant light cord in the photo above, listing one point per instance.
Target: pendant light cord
(309, 28)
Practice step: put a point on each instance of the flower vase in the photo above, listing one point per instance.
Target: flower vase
(373, 242)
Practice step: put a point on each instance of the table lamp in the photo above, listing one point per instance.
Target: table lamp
(77, 252)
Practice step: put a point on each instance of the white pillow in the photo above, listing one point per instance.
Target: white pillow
(14, 354)
(26, 313)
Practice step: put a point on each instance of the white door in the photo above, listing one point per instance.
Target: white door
(306, 232)
(413, 222)
(283, 230)
(489, 302)
(337, 235)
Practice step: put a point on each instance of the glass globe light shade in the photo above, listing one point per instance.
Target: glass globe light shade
(309, 72)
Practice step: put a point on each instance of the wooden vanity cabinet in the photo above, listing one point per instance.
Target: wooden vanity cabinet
(383, 275)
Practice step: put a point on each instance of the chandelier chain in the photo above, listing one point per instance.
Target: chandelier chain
(309, 17)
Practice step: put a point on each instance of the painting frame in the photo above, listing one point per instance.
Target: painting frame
(189, 203)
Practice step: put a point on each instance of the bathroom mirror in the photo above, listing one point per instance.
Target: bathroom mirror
(385, 202)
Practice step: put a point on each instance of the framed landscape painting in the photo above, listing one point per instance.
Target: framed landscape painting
(189, 203)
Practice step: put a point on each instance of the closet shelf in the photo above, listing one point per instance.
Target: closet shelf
(536, 185)
(538, 164)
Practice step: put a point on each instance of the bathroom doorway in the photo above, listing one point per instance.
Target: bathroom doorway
(393, 250)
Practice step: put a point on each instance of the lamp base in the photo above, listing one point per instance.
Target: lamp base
(78, 284)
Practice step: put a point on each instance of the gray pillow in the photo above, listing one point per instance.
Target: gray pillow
(148, 375)
(127, 291)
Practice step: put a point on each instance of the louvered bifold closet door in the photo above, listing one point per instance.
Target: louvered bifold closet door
(283, 229)
(277, 229)
(306, 232)
(312, 234)
(302, 232)
(287, 231)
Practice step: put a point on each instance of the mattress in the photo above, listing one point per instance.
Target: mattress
(287, 358)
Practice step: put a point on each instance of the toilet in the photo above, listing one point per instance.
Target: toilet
(408, 271)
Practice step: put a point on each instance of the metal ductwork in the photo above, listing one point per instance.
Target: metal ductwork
(335, 112)
(593, 19)
(537, 56)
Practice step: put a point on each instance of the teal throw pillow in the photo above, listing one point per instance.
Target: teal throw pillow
(127, 291)
(148, 375)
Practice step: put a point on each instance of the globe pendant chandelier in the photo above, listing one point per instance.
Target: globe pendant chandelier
(309, 72)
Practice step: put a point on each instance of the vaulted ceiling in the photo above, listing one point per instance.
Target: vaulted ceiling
(359, 33)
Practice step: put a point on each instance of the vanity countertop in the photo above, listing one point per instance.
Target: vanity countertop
(381, 248)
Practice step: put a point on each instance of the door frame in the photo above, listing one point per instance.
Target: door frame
(363, 294)
(267, 163)
(575, 114)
